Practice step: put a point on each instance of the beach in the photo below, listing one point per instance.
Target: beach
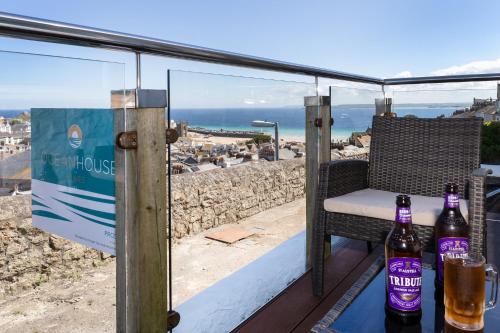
(198, 138)
(291, 120)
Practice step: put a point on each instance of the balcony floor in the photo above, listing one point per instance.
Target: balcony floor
(297, 310)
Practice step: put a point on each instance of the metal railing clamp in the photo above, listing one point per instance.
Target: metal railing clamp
(171, 135)
(318, 122)
(127, 140)
(173, 319)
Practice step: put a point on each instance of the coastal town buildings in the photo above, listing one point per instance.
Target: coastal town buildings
(15, 146)
(5, 126)
(486, 108)
(23, 129)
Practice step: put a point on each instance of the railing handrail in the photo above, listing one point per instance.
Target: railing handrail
(26, 27)
(59, 32)
(443, 79)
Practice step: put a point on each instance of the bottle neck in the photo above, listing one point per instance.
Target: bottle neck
(403, 216)
(451, 201)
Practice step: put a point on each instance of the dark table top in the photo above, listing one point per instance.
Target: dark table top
(367, 314)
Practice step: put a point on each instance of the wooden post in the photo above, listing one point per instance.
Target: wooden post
(141, 218)
(325, 147)
(152, 221)
(312, 136)
(325, 130)
(317, 111)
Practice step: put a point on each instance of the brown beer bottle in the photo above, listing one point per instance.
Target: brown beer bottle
(403, 266)
(451, 234)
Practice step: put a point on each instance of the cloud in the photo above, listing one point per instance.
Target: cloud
(462, 90)
(475, 67)
(249, 101)
(404, 74)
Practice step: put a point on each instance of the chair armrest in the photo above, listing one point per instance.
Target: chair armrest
(481, 172)
(340, 177)
(477, 210)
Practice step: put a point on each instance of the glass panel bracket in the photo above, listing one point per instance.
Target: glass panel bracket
(146, 98)
(318, 122)
(128, 140)
(173, 319)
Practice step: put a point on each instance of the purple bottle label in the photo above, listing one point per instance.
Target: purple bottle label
(404, 281)
(451, 200)
(457, 246)
(403, 215)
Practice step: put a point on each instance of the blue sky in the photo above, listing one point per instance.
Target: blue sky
(378, 38)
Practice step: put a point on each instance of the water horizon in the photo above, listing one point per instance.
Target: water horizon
(291, 120)
(348, 118)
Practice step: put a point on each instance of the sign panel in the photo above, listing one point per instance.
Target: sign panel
(73, 175)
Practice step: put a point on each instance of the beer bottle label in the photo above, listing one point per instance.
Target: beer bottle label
(403, 215)
(404, 280)
(451, 200)
(458, 246)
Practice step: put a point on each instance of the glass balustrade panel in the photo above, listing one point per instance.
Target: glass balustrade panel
(57, 190)
(461, 100)
(238, 199)
(352, 111)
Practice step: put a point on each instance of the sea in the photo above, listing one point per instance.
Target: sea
(347, 118)
(291, 120)
(11, 113)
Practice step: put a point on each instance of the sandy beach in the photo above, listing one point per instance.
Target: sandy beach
(203, 138)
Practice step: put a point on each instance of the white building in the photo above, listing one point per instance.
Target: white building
(23, 129)
(5, 127)
(10, 140)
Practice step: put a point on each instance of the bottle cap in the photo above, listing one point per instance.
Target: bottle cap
(451, 188)
(403, 200)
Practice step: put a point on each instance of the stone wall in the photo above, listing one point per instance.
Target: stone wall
(204, 200)
(29, 256)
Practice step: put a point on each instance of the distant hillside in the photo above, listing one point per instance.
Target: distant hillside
(13, 113)
(428, 105)
(484, 110)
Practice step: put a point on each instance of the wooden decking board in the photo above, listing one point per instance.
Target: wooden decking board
(493, 216)
(327, 302)
(290, 308)
(493, 241)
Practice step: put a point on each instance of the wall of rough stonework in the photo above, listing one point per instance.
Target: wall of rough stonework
(204, 200)
(29, 256)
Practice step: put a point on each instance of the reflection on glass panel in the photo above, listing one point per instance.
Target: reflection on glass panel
(440, 101)
(41, 96)
(352, 112)
(239, 207)
(35, 81)
(465, 100)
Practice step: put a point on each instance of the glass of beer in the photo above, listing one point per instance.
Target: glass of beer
(465, 289)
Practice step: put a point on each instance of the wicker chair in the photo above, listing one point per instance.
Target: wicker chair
(411, 156)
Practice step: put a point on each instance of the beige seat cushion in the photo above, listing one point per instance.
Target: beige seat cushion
(382, 205)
